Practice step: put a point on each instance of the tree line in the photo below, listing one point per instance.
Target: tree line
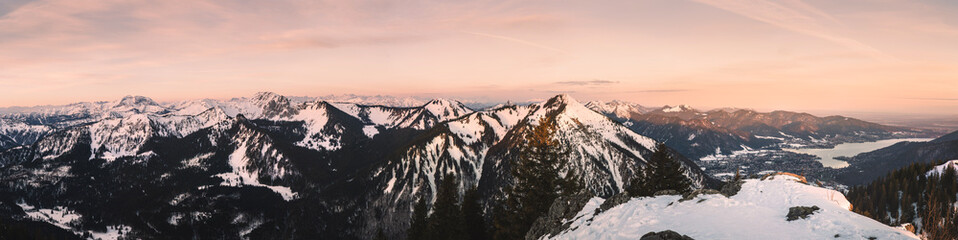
(910, 195)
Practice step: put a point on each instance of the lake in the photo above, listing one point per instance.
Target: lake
(827, 155)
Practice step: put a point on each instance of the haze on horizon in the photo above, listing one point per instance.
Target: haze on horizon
(824, 56)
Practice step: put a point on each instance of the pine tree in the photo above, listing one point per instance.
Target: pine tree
(639, 186)
(380, 235)
(506, 218)
(665, 173)
(417, 229)
(446, 221)
(472, 213)
(537, 181)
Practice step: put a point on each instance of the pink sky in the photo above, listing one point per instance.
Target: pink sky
(827, 56)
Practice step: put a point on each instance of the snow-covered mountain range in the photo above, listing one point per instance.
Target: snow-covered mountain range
(329, 169)
(707, 134)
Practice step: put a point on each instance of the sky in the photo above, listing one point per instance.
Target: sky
(874, 56)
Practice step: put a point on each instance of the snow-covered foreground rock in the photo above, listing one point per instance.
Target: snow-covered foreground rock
(758, 211)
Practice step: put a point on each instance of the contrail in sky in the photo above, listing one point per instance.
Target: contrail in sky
(516, 40)
(801, 18)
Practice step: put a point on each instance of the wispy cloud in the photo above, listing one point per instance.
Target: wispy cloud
(8, 6)
(660, 91)
(594, 82)
(796, 16)
(303, 39)
(934, 99)
(516, 40)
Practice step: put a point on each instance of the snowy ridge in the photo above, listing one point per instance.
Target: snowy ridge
(378, 100)
(758, 211)
(459, 149)
(274, 106)
(14, 133)
(316, 116)
(604, 151)
(255, 158)
(120, 137)
(617, 108)
(445, 110)
(388, 117)
(114, 138)
(59, 143)
(324, 134)
(600, 134)
(679, 108)
(186, 125)
(98, 110)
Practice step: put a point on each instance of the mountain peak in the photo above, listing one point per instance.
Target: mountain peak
(267, 96)
(274, 105)
(446, 109)
(443, 101)
(135, 101)
(562, 99)
(679, 108)
(622, 109)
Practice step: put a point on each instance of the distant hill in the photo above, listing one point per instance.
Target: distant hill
(868, 166)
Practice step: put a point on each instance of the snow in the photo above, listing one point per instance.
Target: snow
(389, 185)
(468, 129)
(370, 130)
(348, 108)
(121, 137)
(940, 169)
(769, 137)
(617, 108)
(374, 100)
(63, 217)
(597, 142)
(58, 216)
(112, 232)
(737, 153)
(192, 109)
(197, 161)
(758, 211)
(241, 176)
(316, 117)
(446, 109)
(678, 108)
(379, 116)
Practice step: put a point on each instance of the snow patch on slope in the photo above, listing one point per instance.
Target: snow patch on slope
(679, 108)
(241, 176)
(940, 169)
(758, 211)
(58, 216)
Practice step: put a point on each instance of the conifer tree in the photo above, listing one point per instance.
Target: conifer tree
(380, 235)
(537, 181)
(446, 221)
(639, 186)
(665, 173)
(504, 219)
(472, 213)
(417, 229)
